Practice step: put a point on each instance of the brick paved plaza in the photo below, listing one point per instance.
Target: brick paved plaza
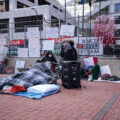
(94, 101)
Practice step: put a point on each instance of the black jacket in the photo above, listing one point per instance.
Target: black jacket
(69, 55)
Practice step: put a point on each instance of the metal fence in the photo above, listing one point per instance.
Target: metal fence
(18, 31)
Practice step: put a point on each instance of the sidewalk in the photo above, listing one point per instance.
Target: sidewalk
(94, 101)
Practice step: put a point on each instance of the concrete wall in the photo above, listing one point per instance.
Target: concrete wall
(114, 63)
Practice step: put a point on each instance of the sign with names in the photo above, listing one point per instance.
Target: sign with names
(67, 30)
(90, 46)
(52, 32)
(33, 32)
(22, 52)
(48, 45)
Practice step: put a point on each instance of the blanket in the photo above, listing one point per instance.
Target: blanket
(103, 80)
(34, 95)
(38, 74)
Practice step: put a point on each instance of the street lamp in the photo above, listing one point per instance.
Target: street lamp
(36, 14)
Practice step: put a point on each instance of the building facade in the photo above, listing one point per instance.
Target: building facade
(15, 15)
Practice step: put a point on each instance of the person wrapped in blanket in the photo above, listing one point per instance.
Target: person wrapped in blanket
(36, 75)
(68, 52)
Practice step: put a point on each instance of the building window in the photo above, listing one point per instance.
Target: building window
(4, 25)
(43, 2)
(117, 33)
(54, 22)
(21, 5)
(4, 6)
(23, 22)
(117, 7)
(117, 20)
(32, 1)
(55, 7)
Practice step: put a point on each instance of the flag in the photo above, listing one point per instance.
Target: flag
(90, 2)
(85, 1)
(81, 2)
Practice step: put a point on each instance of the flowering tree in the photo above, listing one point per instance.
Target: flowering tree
(104, 29)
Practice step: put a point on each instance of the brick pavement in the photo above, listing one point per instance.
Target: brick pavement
(69, 104)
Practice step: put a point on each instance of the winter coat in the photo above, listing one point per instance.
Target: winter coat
(68, 52)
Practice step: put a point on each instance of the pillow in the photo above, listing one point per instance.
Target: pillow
(44, 88)
(105, 70)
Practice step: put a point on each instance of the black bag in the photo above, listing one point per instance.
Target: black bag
(71, 74)
(117, 50)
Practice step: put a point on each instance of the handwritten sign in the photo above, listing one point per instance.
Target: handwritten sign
(22, 52)
(33, 32)
(52, 32)
(67, 30)
(2, 40)
(48, 45)
(19, 64)
(33, 43)
(34, 52)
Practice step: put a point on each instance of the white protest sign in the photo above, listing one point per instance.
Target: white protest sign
(33, 43)
(19, 64)
(34, 52)
(105, 70)
(67, 30)
(2, 40)
(48, 45)
(33, 32)
(2, 45)
(1, 58)
(22, 52)
(52, 32)
(89, 45)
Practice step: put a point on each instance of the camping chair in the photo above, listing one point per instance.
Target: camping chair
(88, 65)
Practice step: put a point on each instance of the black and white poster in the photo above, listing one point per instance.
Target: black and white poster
(89, 46)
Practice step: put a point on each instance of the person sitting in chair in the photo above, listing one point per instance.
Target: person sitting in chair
(51, 58)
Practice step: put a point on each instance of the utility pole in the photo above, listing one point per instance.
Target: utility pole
(75, 12)
(90, 21)
(65, 11)
(83, 19)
